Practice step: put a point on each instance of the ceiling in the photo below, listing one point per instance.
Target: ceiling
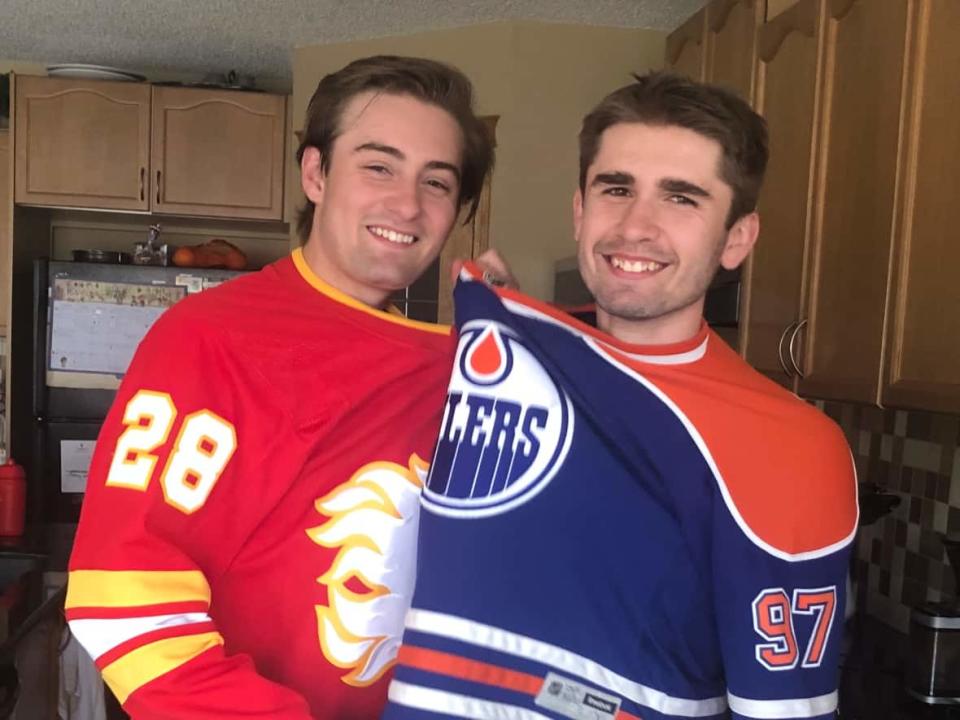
(255, 37)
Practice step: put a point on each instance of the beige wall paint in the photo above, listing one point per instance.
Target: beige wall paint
(540, 79)
(561, 72)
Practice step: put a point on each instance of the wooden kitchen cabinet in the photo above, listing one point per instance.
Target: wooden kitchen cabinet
(830, 82)
(82, 143)
(132, 146)
(217, 153)
(840, 346)
(788, 56)
(851, 293)
(923, 347)
(686, 47)
(716, 44)
(732, 27)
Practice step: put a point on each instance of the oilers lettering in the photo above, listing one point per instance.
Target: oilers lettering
(493, 443)
(506, 427)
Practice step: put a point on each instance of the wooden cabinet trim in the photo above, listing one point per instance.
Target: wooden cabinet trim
(215, 100)
(897, 388)
(759, 330)
(692, 30)
(718, 13)
(6, 236)
(906, 200)
(829, 372)
(730, 45)
(803, 18)
(839, 8)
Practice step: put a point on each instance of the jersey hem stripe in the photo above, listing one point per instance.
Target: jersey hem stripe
(784, 709)
(462, 668)
(500, 640)
(463, 706)
(139, 667)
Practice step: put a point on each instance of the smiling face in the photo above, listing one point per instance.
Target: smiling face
(650, 228)
(389, 197)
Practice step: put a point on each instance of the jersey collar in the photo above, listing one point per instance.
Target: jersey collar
(391, 314)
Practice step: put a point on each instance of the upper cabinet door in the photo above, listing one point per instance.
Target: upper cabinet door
(865, 43)
(730, 45)
(924, 323)
(685, 47)
(218, 153)
(82, 143)
(788, 52)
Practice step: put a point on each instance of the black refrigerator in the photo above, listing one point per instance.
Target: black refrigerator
(88, 319)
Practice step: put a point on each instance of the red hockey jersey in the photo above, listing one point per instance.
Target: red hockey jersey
(247, 543)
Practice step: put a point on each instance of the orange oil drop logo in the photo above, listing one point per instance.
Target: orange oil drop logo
(487, 355)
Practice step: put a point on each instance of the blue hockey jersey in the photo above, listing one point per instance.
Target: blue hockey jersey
(615, 531)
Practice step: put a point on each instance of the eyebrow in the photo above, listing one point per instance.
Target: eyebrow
(673, 185)
(612, 178)
(399, 155)
(670, 185)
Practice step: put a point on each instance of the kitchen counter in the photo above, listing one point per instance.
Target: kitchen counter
(872, 679)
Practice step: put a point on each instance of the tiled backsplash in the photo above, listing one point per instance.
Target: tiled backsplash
(900, 559)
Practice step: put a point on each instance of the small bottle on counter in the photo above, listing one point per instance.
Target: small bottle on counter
(13, 496)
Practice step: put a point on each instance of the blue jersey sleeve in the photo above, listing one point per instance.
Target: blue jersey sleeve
(780, 624)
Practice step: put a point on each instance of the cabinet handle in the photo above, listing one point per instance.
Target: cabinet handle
(143, 173)
(783, 337)
(790, 353)
(158, 187)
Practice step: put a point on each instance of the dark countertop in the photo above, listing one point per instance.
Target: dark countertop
(872, 683)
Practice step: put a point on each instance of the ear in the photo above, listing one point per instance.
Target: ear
(577, 213)
(312, 177)
(740, 241)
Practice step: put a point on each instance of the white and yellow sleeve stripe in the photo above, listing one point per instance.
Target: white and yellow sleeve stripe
(139, 625)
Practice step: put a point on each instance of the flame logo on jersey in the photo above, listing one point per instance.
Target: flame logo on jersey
(506, 428)
(373, 521)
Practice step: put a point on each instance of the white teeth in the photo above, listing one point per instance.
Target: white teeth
(392, 235)
(635, 266)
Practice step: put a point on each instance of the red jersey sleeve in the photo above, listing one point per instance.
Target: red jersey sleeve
(179, 478)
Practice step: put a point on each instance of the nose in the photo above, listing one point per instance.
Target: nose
(404, 200)
(640, 220)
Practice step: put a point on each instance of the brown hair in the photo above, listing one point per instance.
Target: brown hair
(427, 80)
(660, 98)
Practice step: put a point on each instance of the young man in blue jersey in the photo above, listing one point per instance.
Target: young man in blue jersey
(628, 521)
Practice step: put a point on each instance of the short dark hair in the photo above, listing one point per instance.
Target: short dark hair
(427, 80)
(661, 98)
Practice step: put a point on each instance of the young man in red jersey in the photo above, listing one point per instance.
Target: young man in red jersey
(247, 543)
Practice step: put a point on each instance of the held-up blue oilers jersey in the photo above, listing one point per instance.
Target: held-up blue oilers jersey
(613, 531)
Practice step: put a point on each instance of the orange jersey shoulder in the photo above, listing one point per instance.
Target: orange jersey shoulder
(784, 469)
